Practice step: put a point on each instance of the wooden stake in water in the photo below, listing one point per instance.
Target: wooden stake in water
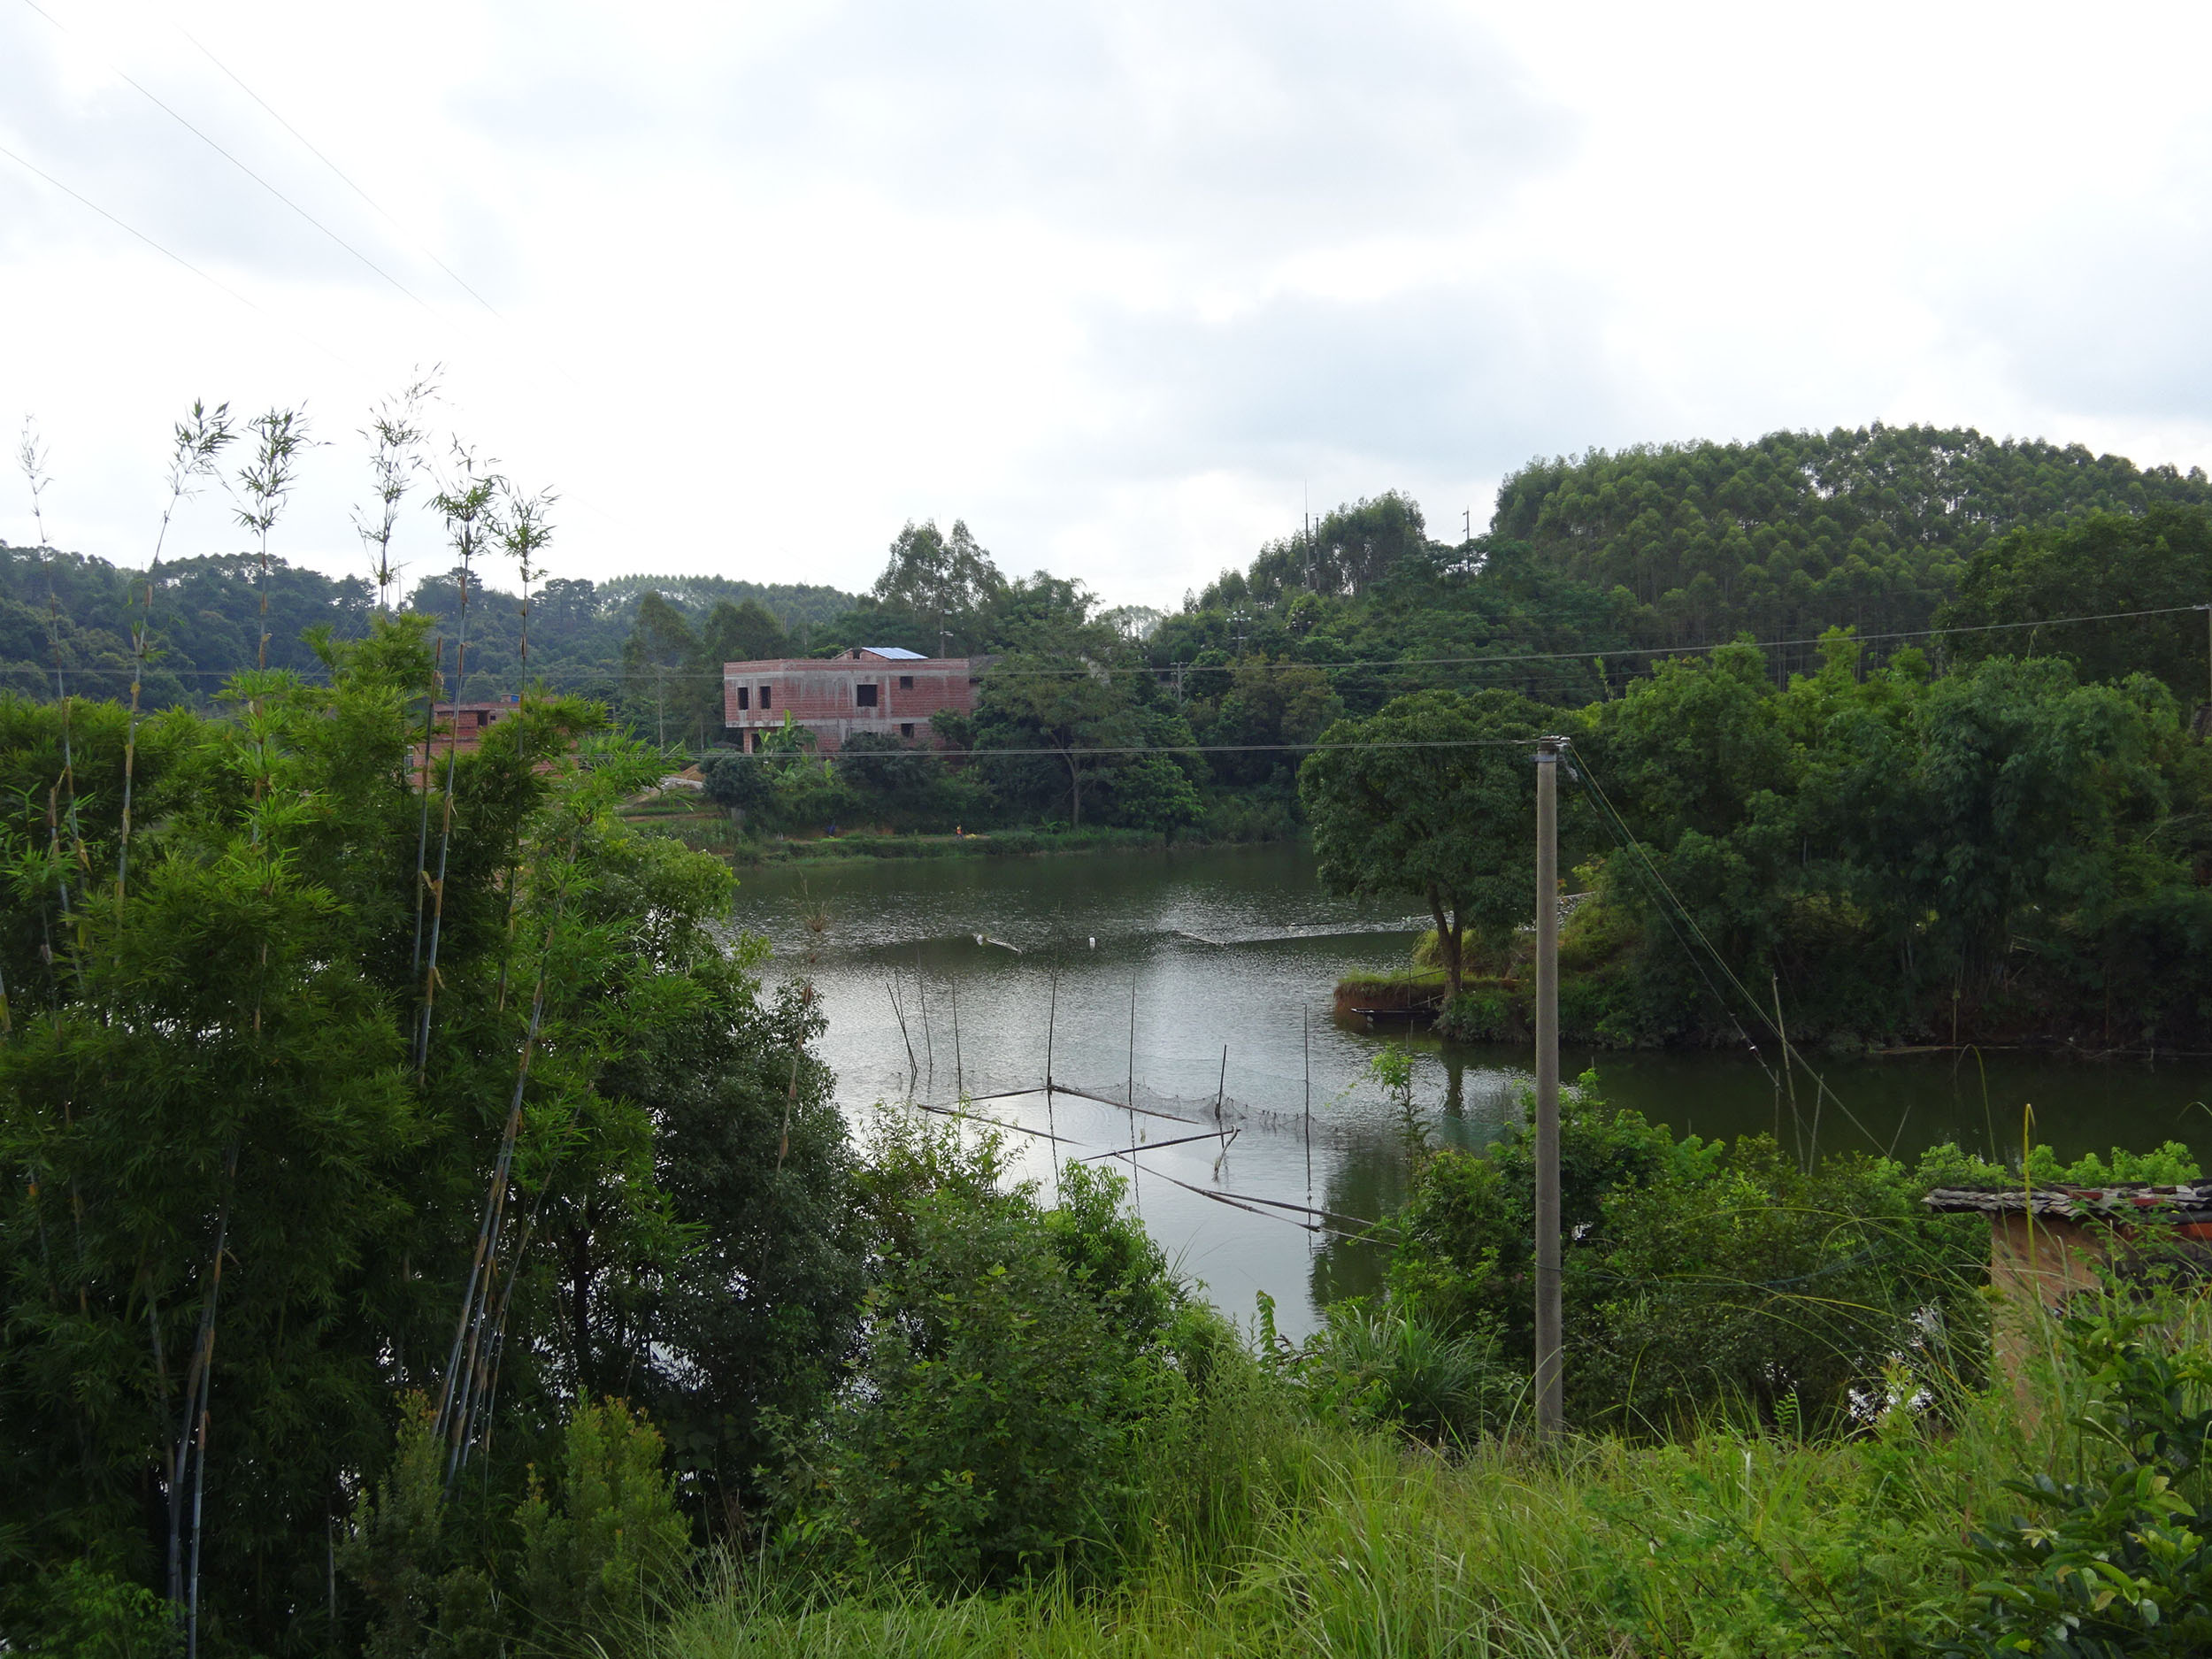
(1052, 1127)
(959, 1082)
(1549, 1416)
(1220, 1089)
(921, 997)
(1136, 1192)
(1305, 1031)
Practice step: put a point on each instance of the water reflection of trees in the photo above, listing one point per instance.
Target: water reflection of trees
(1468, 1106)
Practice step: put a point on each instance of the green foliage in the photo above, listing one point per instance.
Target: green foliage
(243, 1189)
(1698, 1276)
(77, 1611)
(1013, 1356)
(405, 1554)
(1419, 802)
(1389, 1366)
(2116, 1560)
(1798, 532)
(1281, 1531)
(2167, 1165)
(2097, 565)
(597, 1552)
(2003, 846)
(204, 625)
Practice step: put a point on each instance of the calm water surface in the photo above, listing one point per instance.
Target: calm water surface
(1209, 975)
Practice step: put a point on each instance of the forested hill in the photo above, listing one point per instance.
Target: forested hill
(1798, 532)
(76, 612)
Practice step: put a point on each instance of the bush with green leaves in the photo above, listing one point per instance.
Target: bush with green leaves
(607, 1538)
(1013, 1356)
(2113, 1556)
(254, 1121)
(1700, 1275)
(585, 1557)
(1388, 1365)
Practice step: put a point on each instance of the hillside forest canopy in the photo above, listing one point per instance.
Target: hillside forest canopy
(1961, 645)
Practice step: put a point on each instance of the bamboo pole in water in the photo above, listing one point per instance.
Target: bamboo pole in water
(1220, 1089)
(1305, 1032)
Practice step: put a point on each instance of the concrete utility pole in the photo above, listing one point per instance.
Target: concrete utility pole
(1548, 1417)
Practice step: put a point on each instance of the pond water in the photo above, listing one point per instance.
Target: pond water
(1206, 978)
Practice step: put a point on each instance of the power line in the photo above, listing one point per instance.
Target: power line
(1597, 789)
(137, 87)
(177, 258)
(127, 228)
(426, 252)
(680, 676)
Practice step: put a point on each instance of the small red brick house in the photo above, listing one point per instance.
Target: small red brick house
(868, 688)
(462, 725)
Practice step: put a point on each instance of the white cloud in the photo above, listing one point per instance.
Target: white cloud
(1121, 284)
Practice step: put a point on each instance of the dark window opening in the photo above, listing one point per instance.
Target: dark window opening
(481, 716)
(906, 728)
(764, 697)
(744, 696)
(906, 682)
(864, 695)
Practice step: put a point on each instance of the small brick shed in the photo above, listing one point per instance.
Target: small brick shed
(2046, 1244)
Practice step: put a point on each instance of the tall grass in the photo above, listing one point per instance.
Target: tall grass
(1270, 1529)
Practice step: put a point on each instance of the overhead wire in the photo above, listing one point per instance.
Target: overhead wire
(127, 228)
(171, 255)
(1589, 774)
(343, 177)
(116, 70)
(684, 676)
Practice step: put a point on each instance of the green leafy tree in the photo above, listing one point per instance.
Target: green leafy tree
(1701, 1277)
(662, 665)
(596, 1549)
(249, 1222)
(1014, 1358)
(1432, 800)
(741, 633)
(1069, 708)
(2018, 591)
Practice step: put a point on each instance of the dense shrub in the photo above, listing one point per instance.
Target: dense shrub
(2113, 1555)
(1012, 1355)
(1699, 1276)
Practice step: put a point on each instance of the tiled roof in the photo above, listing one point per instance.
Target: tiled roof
(2189, 1202)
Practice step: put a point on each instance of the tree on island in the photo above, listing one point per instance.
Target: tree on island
(1433, 799)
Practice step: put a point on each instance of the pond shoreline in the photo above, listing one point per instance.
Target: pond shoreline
(709, 830)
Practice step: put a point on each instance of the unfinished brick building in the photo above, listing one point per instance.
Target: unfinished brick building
(868, 688)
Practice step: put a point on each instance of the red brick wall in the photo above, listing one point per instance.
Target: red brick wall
(820, 694)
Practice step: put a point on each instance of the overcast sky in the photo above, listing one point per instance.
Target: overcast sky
(1123, 286)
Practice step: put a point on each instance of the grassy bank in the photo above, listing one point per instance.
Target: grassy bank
(1273, 1533)
(707, 828)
